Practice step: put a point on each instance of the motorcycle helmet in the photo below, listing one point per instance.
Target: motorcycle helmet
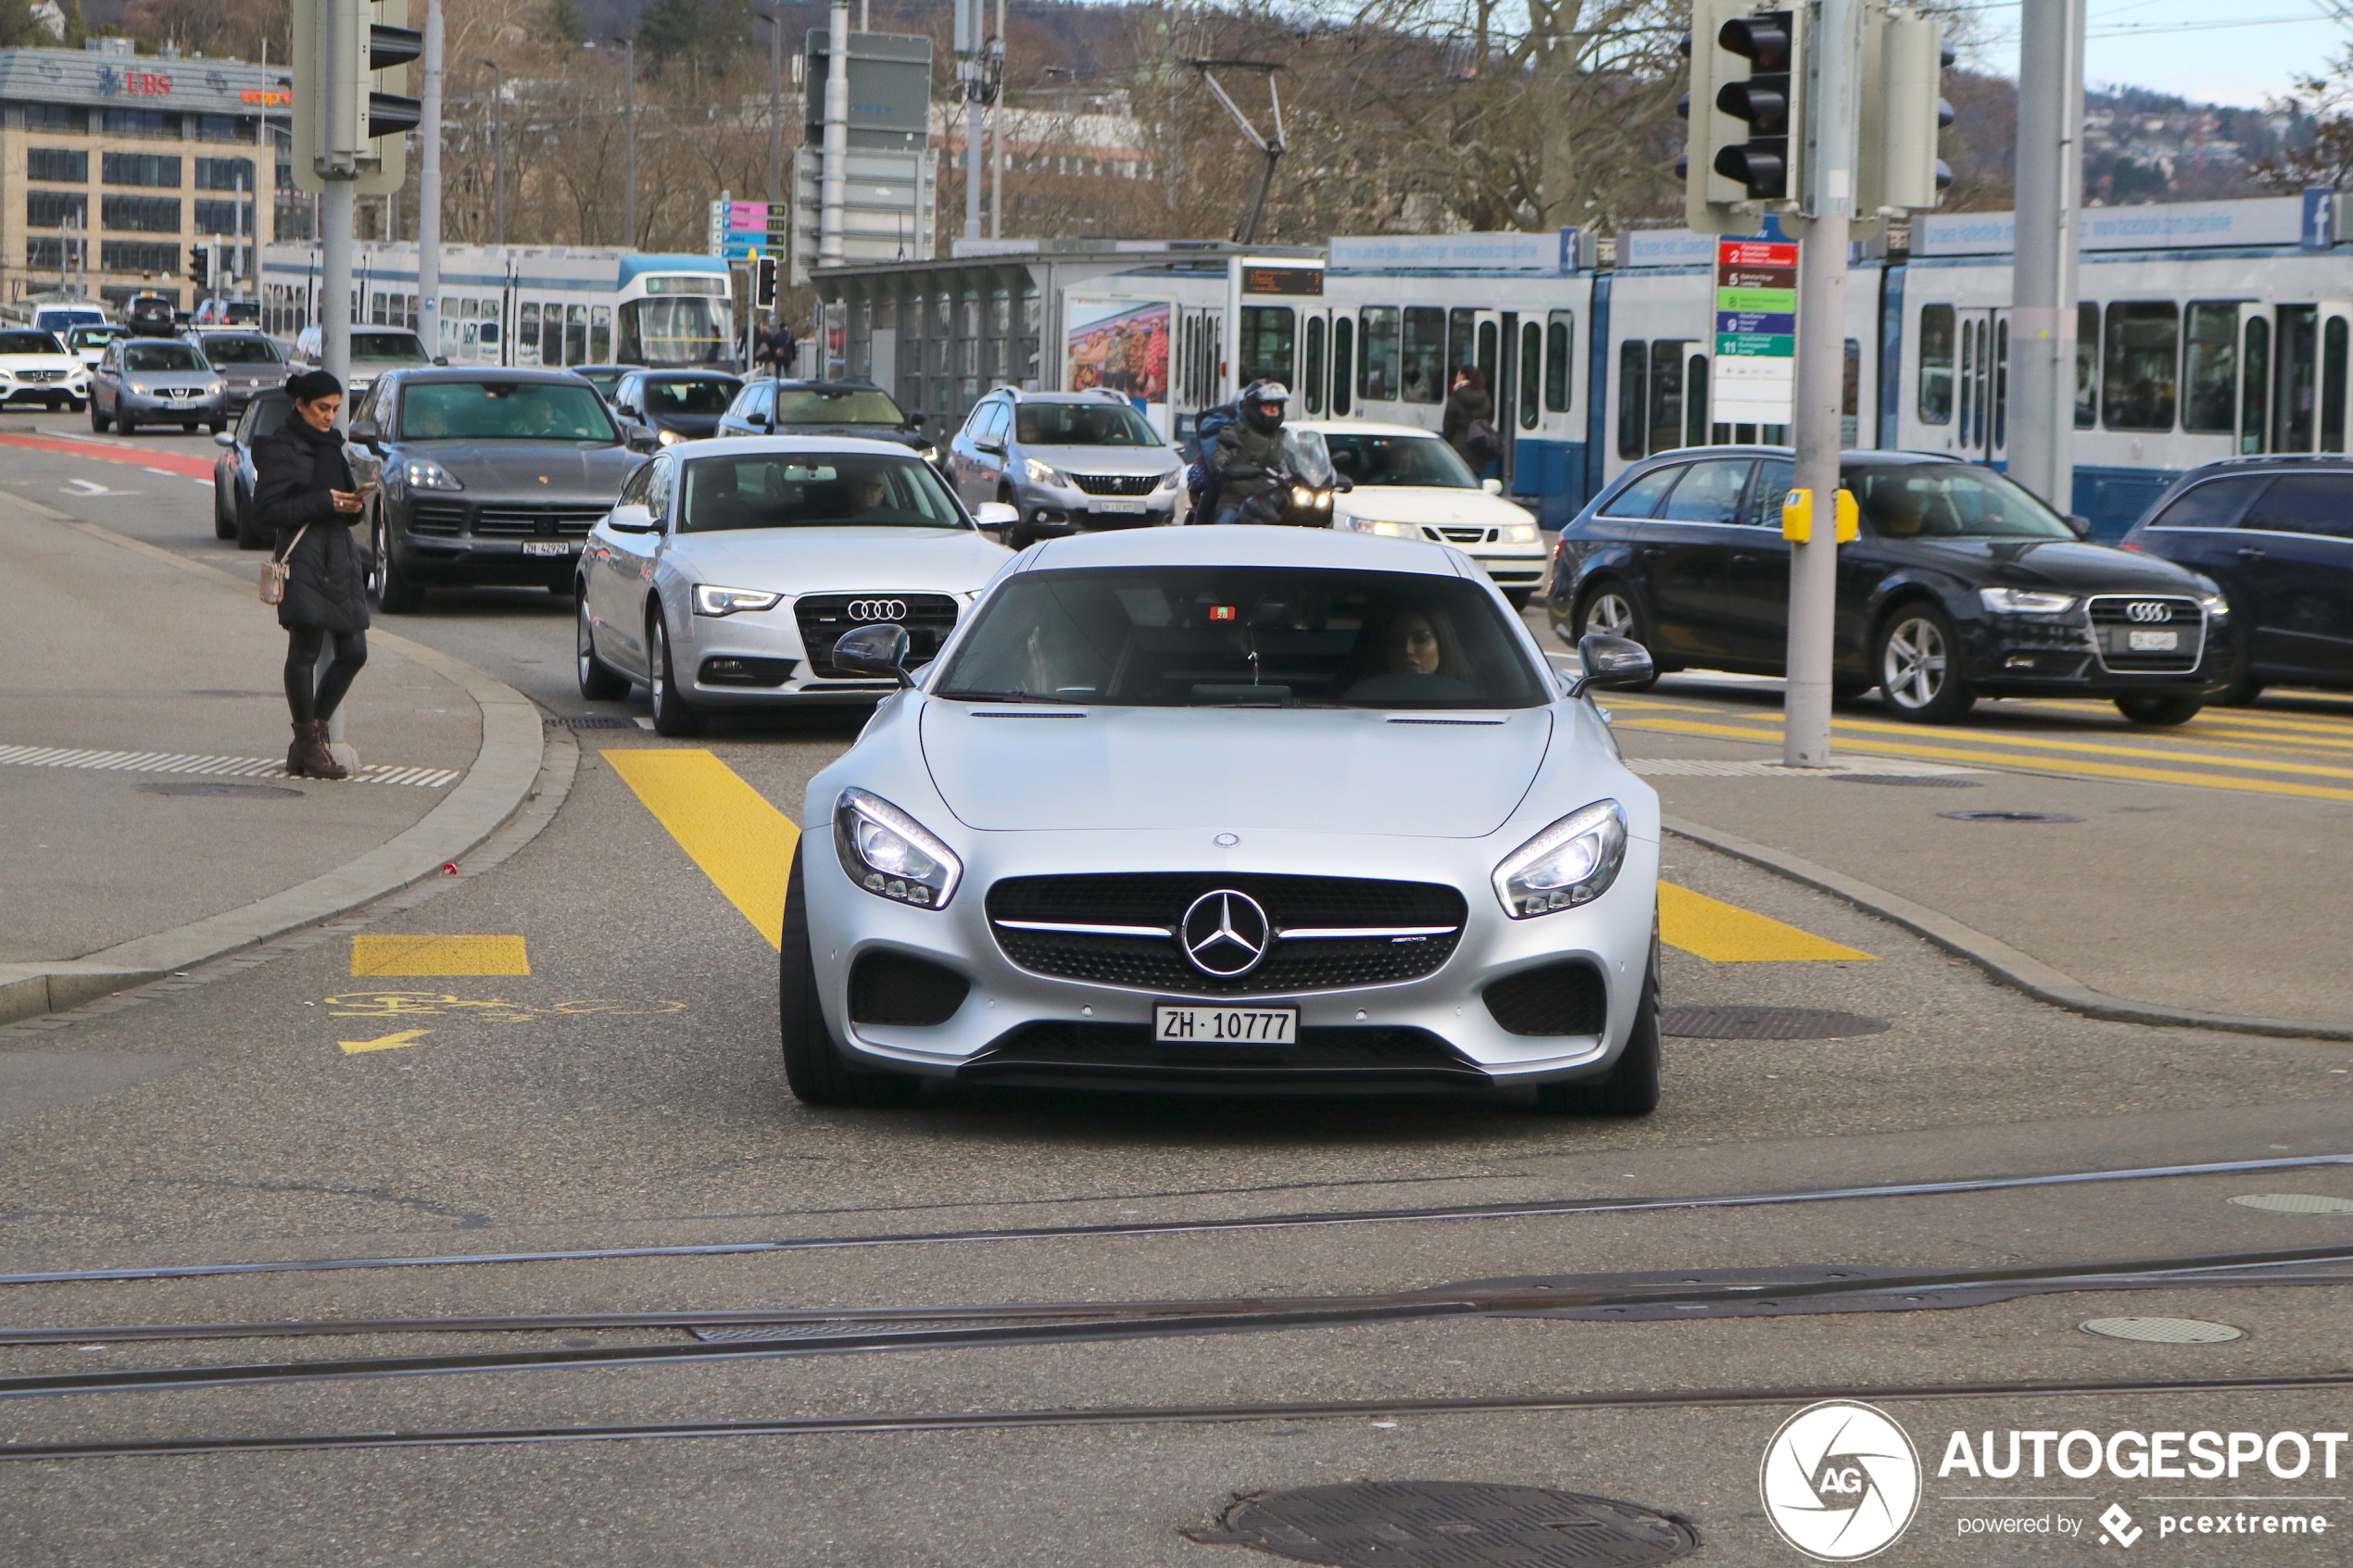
(1263, 406)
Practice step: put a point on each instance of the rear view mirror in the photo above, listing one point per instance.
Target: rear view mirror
(874, 650)
(224, 438)
(631, 519)
(1612, 664)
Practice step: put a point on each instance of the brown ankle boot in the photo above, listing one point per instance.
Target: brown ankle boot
(311, 758)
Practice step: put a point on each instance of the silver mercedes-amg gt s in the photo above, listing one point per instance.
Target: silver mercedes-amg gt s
(1230, 808)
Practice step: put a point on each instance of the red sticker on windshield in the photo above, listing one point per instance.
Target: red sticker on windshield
(1221, 613)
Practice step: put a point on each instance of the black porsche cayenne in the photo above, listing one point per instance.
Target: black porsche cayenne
(1962, 584)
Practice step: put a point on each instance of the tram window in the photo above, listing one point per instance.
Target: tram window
(1268, 343)
(1343, 371)
(576, 335)
(1560, 337)
(600, 334)
(2211, 369)
(1487, 341)
(2333, 370)
(1462, 326)
(2296, 395)
(1936, 364)
(2002, 381)
(1850, 398)
(2087, 365)
(376, 311)
(1425, 356)
(527, 328)
(1315, 390)
(1666, 395)
(1376, 381)
(2255, 384)
(1634, 400)
(2141, 347)
(1532, 373)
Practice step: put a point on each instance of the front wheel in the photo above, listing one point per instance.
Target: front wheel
(600, 682)
(673, 715)
(251, 535)
(1519, 599)
(1919, 666)
(224, 513)
(814, 1069)
(393, 593)
(2156, 709)
(98, 421)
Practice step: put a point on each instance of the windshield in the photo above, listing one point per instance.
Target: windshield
(1243, 637)
(53, 320)
(474, 410)
(400, 347)
(689, 396)
(766, 490)
(1938, 501)
(29, 343)
(811, 406)
(241, 351)
(1419, 460)
(1083, 424)
(161, 357)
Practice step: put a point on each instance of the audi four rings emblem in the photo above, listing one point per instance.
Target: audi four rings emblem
(877, 609)
(1226, 933)
(2149, 610)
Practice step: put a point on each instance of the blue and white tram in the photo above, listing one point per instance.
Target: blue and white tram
(527, 305)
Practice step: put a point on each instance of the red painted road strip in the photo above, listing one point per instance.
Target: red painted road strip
(143, 457)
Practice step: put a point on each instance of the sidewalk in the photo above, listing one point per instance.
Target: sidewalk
(181, 844)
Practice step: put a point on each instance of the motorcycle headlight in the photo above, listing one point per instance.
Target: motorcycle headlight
(710, 600)
(2023, 601)
(1517, 533)
(892, 854)
(1572, 862)
(423, 473)
(1301, 496)
(1040, 473)
(1392, 529)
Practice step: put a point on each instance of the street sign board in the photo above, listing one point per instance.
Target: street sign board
(1753, 377)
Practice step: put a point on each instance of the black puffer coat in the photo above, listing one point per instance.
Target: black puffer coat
(293, 472)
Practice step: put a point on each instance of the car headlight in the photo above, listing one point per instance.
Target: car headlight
(2023, 601)
(1169, 481)
(710, 600)
(423, 473)
(668, 437)
(216, 386)
(892, 854)
(1389, 529)
(1039, 473)
(1572, 862)
(1517, 533)
(2210, 599)
(927, 451)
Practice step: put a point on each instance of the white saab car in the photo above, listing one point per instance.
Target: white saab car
(727, 569)
(1406, 483)
(35, 368)
(1230, 808)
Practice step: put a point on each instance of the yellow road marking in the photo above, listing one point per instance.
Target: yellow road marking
(2037, 743)
(743, 844)
(1723, 933)
(439, 955)
(389, 1042)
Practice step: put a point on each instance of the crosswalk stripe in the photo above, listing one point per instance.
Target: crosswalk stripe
(727, 827)
(1723, 933)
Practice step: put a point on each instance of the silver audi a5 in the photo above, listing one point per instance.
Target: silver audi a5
(1230, 808)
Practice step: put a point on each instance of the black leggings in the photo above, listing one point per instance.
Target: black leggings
(302, 660)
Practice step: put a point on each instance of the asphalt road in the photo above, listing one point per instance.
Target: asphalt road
(625, 1093)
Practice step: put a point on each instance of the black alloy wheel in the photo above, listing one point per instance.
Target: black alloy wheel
(2244, 684)
(814, 1069)
(1633, 1086)
(673, 715)
(389, 590)
(1610, 609)
(2160, 707)
(224, 510)
(123, 422)
(600, 682)
(1918, 660)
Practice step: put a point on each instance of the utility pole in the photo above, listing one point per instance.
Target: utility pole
(834, 194)
(499, 151)
(968, 46)
(997, 138)
(776, 98)
(629, 144)
(2050, 191)
(429, 189)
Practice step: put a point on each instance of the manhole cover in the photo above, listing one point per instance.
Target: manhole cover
(1451, 1525)
(2165, 1331)
(2296, 1203)
(2009, 816)
(213, 788)
(1916, 781)
(594, 722)
(1765, 1023)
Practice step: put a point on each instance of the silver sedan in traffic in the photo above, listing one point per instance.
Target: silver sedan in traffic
(144, 381)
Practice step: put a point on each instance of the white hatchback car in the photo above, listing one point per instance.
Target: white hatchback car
(35, 368)
(1410, 484)
(728, 568)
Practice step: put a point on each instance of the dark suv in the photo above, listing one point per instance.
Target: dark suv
(2277, 534)
(488, 477)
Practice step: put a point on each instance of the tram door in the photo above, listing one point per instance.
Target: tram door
(1200, 370)
(2292, 377)
(1981, 376)
(1312, 394)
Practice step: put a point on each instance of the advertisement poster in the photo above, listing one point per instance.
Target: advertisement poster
(1120, 342)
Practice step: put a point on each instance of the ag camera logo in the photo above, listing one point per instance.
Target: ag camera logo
(1840, 1481)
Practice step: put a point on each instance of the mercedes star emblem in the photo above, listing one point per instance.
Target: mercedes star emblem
(1226, 934)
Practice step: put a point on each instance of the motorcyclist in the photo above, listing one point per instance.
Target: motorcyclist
(1249, 458)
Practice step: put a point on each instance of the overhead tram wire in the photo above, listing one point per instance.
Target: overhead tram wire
(1533, 1210)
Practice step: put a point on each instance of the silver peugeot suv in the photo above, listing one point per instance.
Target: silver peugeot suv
(1069, 462)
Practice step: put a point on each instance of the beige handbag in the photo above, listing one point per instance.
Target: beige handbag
(277, 568)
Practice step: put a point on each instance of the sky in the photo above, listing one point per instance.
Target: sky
(2242, 55)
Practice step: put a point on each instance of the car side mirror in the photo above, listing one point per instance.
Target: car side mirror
(994, 517)
(631, 519)
(874, 650)
(994, 448)
(224, 438)
(1492, 486)
(638, 438)
(1343, 486)
(2082, 526)
(367, 432)
(757, 419)
(1612, 664)
(441, 359)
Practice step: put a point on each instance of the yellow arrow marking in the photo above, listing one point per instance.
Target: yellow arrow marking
(406, 1038)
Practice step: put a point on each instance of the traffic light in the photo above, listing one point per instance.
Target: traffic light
(1743, 105)
(200, 267)
(350, 68)
(1899, 112)
(763, 287)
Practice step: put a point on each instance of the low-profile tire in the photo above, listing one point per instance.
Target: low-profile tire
(1633, 1084)
(2245, 685)
(2160, 707)
(388, 588)
(673, 715)
(1610, 609)
(600, 682)
(124, 424)
(251, 535)
(1918, 656)
(814, 1069)
(224, 514)
(75, 405)
(98, 421)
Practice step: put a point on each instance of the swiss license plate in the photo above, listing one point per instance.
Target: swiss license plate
(1225, 1026)
(1116, 506)
(546, 546)
(2153, 642)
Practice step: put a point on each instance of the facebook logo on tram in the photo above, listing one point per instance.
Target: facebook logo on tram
(2318, 231)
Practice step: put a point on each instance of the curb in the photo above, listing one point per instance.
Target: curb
(504, 775)
(2019, 971)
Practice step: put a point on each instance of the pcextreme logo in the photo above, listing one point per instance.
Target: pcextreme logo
(1840, 1481)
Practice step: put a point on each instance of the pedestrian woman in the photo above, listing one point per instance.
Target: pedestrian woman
(1468, 422)
(304, 490)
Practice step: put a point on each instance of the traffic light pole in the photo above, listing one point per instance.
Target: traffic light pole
(429, 189)
(2050, 185)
